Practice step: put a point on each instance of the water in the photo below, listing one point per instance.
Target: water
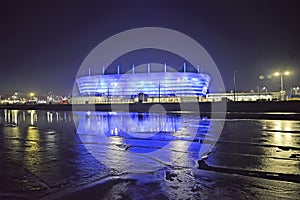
(145, 156)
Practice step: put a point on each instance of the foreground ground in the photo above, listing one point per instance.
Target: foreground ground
(43, 156)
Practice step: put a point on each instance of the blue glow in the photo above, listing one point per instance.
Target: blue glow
(151, 131)
(152, 84)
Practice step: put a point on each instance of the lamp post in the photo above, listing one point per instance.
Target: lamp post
(281, 74)
(234, 85)
(158, 92)
(296, 90)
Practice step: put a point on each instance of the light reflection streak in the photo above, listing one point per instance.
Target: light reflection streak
(114, 155)
(11, 117)
(281, 130)
(32, 151)
(278, 125)
(12, 130)
(14, 114)
(24, 116)
(5, 116)
(49, 117)
(33, 116)
(278, 157)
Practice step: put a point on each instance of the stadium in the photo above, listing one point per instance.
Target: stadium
(158, 84)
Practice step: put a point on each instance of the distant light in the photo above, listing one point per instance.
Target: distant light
(269, 76)
(261, 77)
(31, 94)
(286, 73)
(276, 74)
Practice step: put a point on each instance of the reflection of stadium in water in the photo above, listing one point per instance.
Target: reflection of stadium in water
(174, 139)
(119, 124)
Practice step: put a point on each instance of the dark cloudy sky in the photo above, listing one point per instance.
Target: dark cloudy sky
(43, 42)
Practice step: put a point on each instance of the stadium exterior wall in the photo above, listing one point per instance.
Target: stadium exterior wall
(162, 84)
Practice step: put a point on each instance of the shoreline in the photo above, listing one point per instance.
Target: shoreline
(235, 110)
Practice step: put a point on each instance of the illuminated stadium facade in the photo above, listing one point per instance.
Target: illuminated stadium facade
(162, 84)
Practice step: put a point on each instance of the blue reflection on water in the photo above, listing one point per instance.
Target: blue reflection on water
(145, 132)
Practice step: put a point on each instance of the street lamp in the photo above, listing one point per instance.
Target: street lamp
(234, 85)
(295, 90)
(265, 88)
(31, 94)
(281, 74)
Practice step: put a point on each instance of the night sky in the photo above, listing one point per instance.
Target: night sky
(43, 43)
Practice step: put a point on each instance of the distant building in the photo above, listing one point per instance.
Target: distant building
(244, 96)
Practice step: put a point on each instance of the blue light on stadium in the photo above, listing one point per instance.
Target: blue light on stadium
(152, 84)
